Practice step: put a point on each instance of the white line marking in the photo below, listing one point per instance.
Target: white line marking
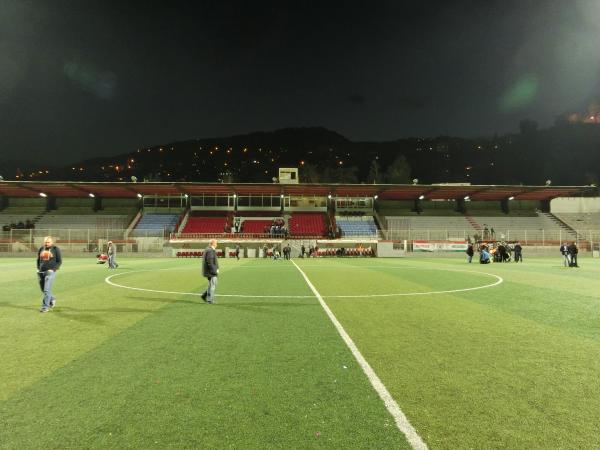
(401, 420)
(398, 294)
(498, 281)
(112, 283)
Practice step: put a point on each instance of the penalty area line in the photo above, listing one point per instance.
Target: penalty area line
(415, 441)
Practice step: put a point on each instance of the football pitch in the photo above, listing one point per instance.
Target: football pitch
(473, 356)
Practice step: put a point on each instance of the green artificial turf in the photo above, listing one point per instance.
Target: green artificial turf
(514, 366)
(116, 368)
(509, 366)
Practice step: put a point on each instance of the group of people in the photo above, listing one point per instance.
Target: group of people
(496, 252)
(569, 253)
(277, 228)
(110, 256)
(276, 252)
(49, 261)
(27, 225)
(313, 251)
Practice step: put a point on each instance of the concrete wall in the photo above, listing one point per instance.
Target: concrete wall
(575, 205)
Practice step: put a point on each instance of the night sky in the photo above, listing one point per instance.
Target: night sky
(80, 79)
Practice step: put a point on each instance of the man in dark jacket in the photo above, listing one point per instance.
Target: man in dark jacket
(470, 252)
(48, 262)
(210, 270)
(518, 252)
(573, 251)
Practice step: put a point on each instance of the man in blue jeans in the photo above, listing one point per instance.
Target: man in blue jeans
(112, 255)
(48, 262)
(210, 270)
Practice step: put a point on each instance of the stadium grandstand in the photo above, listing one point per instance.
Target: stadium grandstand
(178, 218)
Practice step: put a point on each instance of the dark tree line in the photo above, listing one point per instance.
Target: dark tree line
(567, 154)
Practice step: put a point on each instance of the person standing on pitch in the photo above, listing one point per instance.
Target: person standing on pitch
(112, 255)
(564, 250)
(518, 252)
(210, 270)
(573, 251)
(48, 262)
(470, 252)
(237, 251)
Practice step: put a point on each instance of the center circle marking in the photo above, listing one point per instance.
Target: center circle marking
(498, 281)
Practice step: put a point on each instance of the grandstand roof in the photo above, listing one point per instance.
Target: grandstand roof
(383, 191)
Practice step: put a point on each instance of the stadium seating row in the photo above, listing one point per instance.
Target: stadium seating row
(308, 224)
(362, 226)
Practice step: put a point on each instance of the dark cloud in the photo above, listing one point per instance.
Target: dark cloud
(106, 77)
(357, 99)
(412, 102)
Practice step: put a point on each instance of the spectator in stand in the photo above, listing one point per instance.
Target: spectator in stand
(49, 261)
(564, 250)
(573, 251)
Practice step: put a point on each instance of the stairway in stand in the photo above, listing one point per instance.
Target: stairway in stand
(473, 222)
(570, 234)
